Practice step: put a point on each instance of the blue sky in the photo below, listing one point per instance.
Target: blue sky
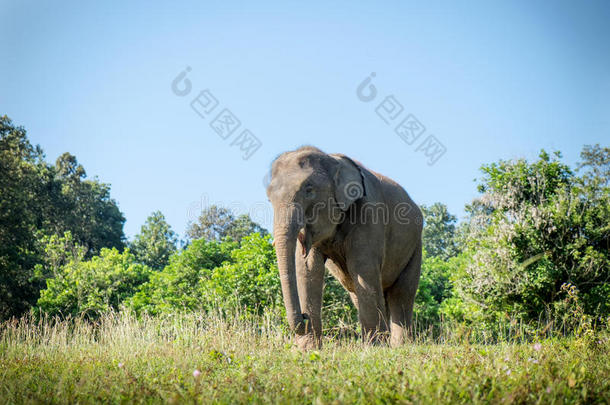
(490, 80)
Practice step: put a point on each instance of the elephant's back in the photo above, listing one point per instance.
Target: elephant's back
(399, 199)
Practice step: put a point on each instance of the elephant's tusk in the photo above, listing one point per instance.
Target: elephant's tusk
(301, 238)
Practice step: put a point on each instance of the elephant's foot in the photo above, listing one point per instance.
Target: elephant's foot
(397, 341)
(400, 335)
(308, 342)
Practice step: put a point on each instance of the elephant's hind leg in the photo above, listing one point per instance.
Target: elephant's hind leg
(401, 298)
(369, 299)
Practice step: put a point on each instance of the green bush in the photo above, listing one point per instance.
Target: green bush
(94, 286)
(535, 249)
(205, 276)
(434, 288)
(177, 286)
(212, 275)
(537, 228)
(249, 280)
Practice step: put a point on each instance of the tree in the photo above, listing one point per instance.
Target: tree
(39, 200)
(155, 243)
(596, 162)
(243, 226)
(21, 215)
(216, 223)
(438, 237)
(539, 235)
(84, 207)
(57, 251)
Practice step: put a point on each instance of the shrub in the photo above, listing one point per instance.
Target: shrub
(177, 286)
(94, 286)
(536, 228)
(249, 280)
(434, 288)
(212, 275)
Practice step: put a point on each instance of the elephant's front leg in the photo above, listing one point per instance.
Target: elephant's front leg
(310, 283)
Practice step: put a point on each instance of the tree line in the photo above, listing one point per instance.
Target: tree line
(534, 248)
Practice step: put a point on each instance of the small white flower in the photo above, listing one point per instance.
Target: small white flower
(196, 373)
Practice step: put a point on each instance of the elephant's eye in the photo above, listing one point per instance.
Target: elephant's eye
(309, 192)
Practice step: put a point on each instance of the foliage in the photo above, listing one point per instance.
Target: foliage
(596, 162)
(205, 358)
(155, 243)
(94, 286)
(205, 276)
(177, 286)
(537, 227)
(534, 250)
(338, 310)
(21, 167)
(217, 223)
(211, 275)
(83, 207)
(57, 252)
(249, 280)
(39, 200)
(440, 248)
(434, 288)
(439, 233)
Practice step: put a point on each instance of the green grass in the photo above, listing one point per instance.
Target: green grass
(152, 360)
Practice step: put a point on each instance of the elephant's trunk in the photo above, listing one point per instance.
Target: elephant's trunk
(286, 227)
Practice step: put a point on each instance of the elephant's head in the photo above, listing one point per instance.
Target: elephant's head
(310, 191)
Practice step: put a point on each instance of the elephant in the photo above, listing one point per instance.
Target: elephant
(331, 211)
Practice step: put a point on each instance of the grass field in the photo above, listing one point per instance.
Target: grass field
(190, 358)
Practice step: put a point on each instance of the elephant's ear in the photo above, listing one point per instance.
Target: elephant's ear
(349, 185)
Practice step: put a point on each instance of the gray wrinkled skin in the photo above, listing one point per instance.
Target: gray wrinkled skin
(332, 211)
